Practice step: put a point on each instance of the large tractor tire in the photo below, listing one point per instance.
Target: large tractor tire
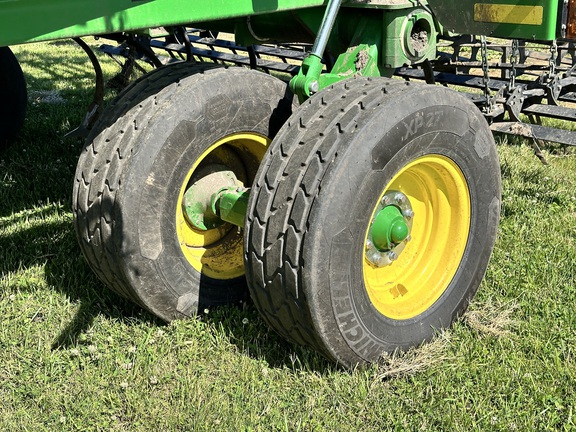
(180, 126)
(372, 218)
(13, 97)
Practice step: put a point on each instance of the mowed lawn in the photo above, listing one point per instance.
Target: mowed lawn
(74, 356)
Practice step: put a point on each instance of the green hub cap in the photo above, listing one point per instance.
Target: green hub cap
(390, 229)
(198, 198)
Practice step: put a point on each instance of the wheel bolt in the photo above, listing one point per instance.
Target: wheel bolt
(392, 256)
(385, 200)
(400, 198)
(375, 258)
(369, 244)
(408, 213)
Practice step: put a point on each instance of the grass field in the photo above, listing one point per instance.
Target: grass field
(74, 356)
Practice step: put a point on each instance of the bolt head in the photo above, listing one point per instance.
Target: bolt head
(408, 213)
(392, 256)
(369, 244)
(385, 201)
(313, 87)
(375, 258)
(400, 198)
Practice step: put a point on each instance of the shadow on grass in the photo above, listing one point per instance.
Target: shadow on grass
(36, 177)
(253, 337)
(52, 245)
(39, 167)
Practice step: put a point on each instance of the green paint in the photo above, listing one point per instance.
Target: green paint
(198, 201)
(360, 55)
(457, 16)
(410, 37)
(36, 20)
(205, 210)
(370, 44)
(198, 213)
(389, 228)
(230, 204)
(390, 5)
(306, 82)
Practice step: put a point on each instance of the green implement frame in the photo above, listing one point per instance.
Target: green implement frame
(519, 19)
(38, 20)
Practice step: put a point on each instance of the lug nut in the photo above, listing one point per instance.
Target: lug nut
(408, 213)
(369, 244)
(385, 200)
(374, 258)
(392, 256)
(400, 198)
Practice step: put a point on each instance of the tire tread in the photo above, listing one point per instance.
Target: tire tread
(285, 191)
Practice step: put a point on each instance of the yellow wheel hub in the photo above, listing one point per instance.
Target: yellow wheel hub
(426, 262)
(217, 252)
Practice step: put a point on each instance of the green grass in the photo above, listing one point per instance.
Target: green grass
(74, 356)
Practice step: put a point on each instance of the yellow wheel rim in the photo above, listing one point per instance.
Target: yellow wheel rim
(217, 253)
(440, 199)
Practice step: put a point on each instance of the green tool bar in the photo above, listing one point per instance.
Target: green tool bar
(38, 20)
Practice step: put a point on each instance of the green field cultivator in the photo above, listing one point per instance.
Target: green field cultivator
(335, 176)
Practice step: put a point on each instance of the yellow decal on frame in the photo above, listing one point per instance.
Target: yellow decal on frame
(508, 14)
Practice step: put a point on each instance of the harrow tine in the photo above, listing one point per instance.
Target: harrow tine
(533, 86)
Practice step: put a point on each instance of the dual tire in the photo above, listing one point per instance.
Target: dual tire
(315, 192)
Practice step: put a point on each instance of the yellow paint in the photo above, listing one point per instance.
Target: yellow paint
(440, 199)
(508, 14)
(217, 253)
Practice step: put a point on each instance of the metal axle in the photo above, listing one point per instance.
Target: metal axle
(205, 209)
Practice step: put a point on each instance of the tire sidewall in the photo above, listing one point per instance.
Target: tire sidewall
(179, 133)
(429, 121)
(13, 96)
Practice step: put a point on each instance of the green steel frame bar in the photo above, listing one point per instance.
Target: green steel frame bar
(24, 21)
(513, 19)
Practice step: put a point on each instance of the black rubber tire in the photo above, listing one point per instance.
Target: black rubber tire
(313, 198)
(13, 97)
(134, 163)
